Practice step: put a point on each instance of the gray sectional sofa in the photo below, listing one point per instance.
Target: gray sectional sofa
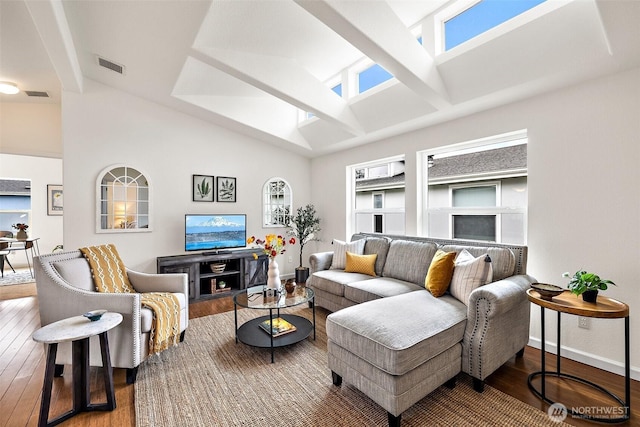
(392, 339)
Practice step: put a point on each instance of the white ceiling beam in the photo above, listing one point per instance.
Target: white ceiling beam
(381, 36)
(52, 26)
(285, 79)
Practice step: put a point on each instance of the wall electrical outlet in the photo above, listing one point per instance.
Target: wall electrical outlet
(290, 258)
(583, 322)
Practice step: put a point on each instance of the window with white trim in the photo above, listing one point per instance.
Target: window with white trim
(473, 211)
(376, 197)
(475, 190)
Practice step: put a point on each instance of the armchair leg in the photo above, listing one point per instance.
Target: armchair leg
(520, 353)
(337, 379)
(478, 385)
(182, 335)
(131, 375)
(58, 370)
(394, 421)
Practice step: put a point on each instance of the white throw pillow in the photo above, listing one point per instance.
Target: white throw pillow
(340, 248)
(469, 273)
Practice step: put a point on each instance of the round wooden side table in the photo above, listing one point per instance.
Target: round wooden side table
(78, 330)
(605, 308)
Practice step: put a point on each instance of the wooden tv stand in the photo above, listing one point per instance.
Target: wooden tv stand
(241, 271)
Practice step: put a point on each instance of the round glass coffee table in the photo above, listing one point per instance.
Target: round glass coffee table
(286, 329)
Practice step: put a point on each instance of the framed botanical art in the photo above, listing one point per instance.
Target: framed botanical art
(226, 188)
(55, 201)
(202, 188)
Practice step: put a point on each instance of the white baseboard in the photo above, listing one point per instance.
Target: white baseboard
(587, 358)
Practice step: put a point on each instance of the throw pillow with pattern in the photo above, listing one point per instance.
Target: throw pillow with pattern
(469, 273)
(365, 264)
(340, 249)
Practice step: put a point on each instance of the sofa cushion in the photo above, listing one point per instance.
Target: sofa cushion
(364, 264)
(409, 261)
(440, 273)
(384, 332)
(503, 261)
(469, 273)
(333, 281)
(76, 272)
(340, 249)
(380, 287)
(380, 247)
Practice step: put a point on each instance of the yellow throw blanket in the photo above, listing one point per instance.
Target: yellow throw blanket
(110, 275)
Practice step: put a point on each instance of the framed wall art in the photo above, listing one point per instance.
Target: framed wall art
(226, 188)
(55, 201)
(202, 188)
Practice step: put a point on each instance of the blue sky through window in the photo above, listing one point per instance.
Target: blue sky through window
(337, 89)
(372, 77)
(482, 17)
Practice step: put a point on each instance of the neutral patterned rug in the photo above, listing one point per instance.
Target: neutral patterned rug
(18, 278)
(209, 380)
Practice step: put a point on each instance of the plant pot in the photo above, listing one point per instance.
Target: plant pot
(21, 235)
(302, 274)
(589, 296)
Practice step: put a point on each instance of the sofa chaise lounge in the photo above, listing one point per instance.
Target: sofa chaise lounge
(393, 340)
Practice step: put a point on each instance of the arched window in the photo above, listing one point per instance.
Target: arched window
(276, 202)
(123, 200)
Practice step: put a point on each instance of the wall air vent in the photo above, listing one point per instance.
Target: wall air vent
(111, 65)
(37, 93)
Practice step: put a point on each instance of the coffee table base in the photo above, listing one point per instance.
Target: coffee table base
(252, 334)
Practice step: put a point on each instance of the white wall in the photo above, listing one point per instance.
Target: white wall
(41, 171)
(31, 129)
(584, 209)
(104, 126)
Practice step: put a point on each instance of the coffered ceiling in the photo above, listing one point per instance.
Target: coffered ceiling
(256, 66)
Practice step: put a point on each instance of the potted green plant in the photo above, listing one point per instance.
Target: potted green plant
(303, 226)
(587, 284)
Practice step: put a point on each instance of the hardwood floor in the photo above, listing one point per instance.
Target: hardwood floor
(22, 364)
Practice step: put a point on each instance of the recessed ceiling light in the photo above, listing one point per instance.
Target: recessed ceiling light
(9, 88)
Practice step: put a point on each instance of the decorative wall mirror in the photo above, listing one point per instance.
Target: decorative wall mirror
(277, 200)
(122, 200)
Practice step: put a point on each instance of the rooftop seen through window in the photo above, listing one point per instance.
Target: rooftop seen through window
(482, 17)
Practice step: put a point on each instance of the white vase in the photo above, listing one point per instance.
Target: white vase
(273, 275)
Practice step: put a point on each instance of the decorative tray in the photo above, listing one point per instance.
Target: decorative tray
(547, 292)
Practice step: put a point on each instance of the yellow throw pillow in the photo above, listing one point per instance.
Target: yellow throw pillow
(440, 273)
(365, 264)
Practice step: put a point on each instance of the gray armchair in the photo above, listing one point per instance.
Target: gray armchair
(65, 289)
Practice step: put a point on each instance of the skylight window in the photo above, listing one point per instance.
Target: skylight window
(337, 89)
(372, 77)
(481, 17)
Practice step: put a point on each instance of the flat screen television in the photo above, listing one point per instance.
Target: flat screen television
(209, 231)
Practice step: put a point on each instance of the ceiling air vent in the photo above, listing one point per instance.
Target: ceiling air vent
(37, 93)
(111, 65)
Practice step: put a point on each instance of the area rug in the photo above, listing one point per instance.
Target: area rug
(209, 380)
(18, 278)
